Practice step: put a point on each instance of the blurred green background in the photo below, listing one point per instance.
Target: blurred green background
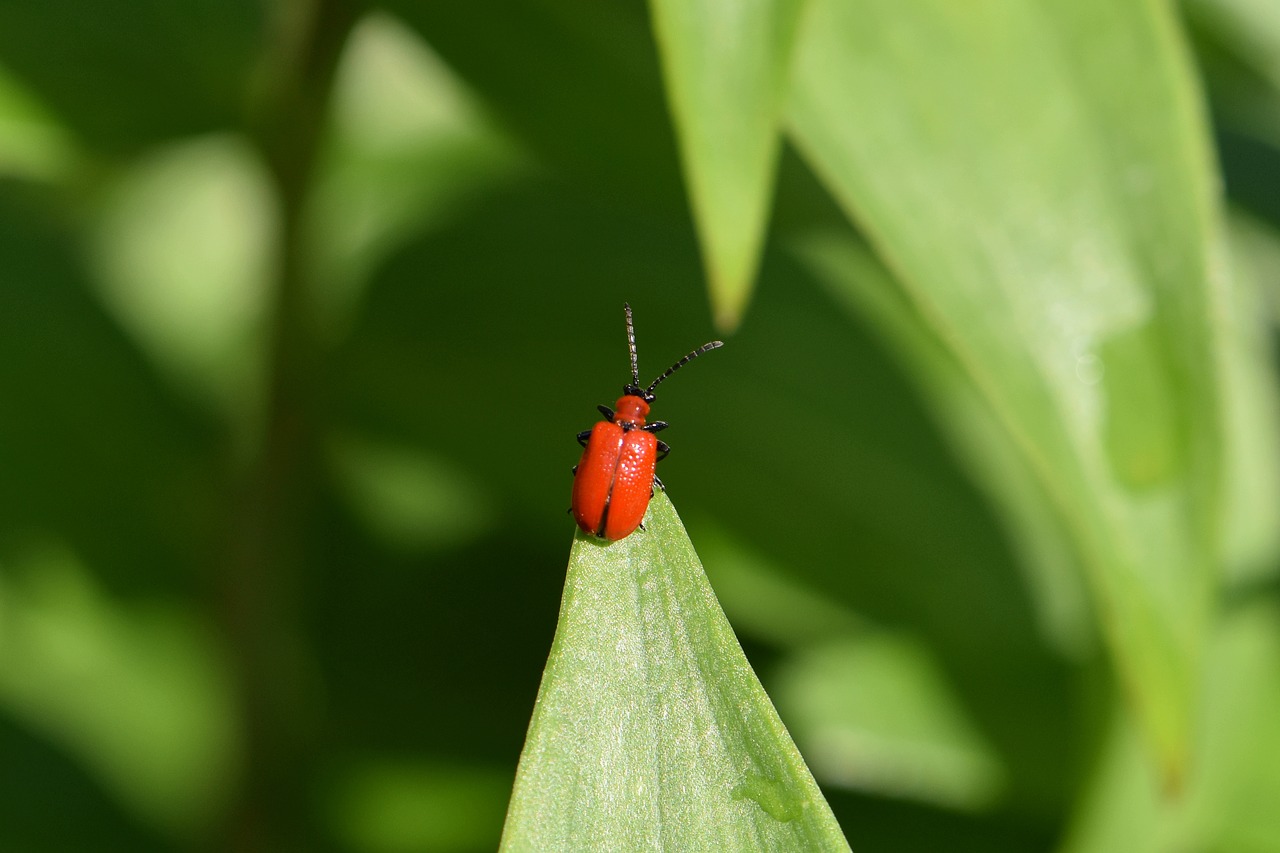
(302, 303)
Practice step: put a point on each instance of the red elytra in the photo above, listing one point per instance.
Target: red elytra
(614, 480)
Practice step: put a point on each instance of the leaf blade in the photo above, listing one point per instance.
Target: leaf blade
(725, 66)
(651, 731)
(1074, 284)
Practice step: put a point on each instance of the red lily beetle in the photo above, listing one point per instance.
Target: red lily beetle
(614, 480)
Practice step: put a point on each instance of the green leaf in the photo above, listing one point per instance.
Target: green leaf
(1250, 27)
(651, 732)
(1120, 810)
(858, 280)
(405, 806)
(1252, 406)
(410, 500)
(1240, 749)
(1256, 250)
(181, 248)
(61, 470)
(876, 713)
(123, 75)
(1230, 806)
(136, 693)
(1036, 178)
(575, 82)
(32, 143)
(408, 148)
(767, 601)
(725, 65)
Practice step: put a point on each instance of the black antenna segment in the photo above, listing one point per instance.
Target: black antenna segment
(648, 393)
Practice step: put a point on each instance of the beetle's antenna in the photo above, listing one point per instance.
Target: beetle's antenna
(631, 345)
(681, 363)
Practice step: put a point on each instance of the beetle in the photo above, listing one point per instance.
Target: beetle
(614, 479)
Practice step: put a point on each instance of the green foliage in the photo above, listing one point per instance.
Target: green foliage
(651, 732)
(301, 304)
(727, 67)
(1091, 342)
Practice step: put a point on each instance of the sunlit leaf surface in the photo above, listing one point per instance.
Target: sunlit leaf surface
(651, 731)
(1053, 228)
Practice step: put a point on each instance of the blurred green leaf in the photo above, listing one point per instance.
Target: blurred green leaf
(1252, 27)
(856, 278)
(726, 71)
(1256, 247)
(123, 74)
(408, 147)
(1230, 805)
(407, 807)
(182, 244)
(50, 804)
(651, 730)
(1251, 401)
(1237, 46)
(137, 693)
(764, 599)
(1120, 809)
(32, 143)
(1035, 177)
(414, 501)
(1240, 751)
(575, 81)
(873, 712)
(93, 447)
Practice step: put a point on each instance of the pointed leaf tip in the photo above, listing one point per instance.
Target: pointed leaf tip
(650, 731)
(725, 67)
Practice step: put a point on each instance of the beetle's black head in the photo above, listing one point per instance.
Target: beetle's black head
(636, 391)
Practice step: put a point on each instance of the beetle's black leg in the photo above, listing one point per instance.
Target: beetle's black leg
(657, 484)
(663, 450)
(574, 469)
(607, 412)
(583, 436)
(656, 426)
